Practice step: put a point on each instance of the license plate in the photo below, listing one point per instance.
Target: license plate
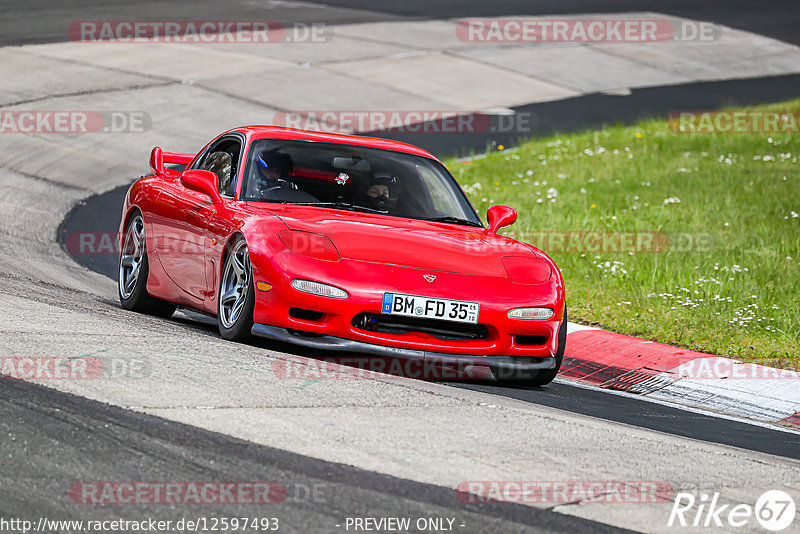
(430, 308)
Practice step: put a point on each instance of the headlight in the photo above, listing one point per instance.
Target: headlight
(315, 288)
(531, 313)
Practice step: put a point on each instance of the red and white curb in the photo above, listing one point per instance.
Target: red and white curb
(744, 390)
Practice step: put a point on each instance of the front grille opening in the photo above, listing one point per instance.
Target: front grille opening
(390, 324)
(305, 315)
(524, 339)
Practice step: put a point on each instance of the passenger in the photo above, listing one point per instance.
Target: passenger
(380, 192)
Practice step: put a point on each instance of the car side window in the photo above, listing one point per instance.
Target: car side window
(220, 164)
(222, 159)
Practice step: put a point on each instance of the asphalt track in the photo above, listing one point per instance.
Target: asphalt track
(57, 437)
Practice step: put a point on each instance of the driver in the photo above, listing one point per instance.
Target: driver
(270, 180)
(380, 193)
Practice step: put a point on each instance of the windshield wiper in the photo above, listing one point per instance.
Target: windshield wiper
(340, 205)
(454, 220)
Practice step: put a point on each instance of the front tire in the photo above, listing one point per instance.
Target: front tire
(236, 300)
(545, 377)
(133, 272)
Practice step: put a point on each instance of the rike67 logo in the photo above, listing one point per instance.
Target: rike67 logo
(774, 510)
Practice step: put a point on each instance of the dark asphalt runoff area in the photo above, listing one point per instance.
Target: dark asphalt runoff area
(46, 21)
(630, 410)
(54, 442)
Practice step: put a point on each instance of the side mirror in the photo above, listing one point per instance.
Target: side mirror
(500, 217)
(203, 182)
(157, 161)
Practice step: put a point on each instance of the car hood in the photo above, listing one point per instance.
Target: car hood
(406, 242)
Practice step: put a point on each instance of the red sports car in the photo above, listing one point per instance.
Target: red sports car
(340, 243)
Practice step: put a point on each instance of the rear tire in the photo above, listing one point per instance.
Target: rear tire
(545, 377)
(133, 270)
(236, 298)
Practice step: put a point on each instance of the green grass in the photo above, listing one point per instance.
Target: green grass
(736, 295)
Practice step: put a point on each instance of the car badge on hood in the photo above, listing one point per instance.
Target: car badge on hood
(429, 277)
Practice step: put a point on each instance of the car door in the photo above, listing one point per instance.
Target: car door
(183, 228)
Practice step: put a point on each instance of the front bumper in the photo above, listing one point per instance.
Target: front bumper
(448, 365)
(530, 342)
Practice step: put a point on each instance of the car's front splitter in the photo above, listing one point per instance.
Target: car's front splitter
(458, 367)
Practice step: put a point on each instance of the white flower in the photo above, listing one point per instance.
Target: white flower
(611, 267)
(472, 189)
(672, 200)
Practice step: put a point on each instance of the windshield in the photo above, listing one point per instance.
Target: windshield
(354, 178)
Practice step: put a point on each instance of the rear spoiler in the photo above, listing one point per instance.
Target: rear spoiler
(158, 158)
